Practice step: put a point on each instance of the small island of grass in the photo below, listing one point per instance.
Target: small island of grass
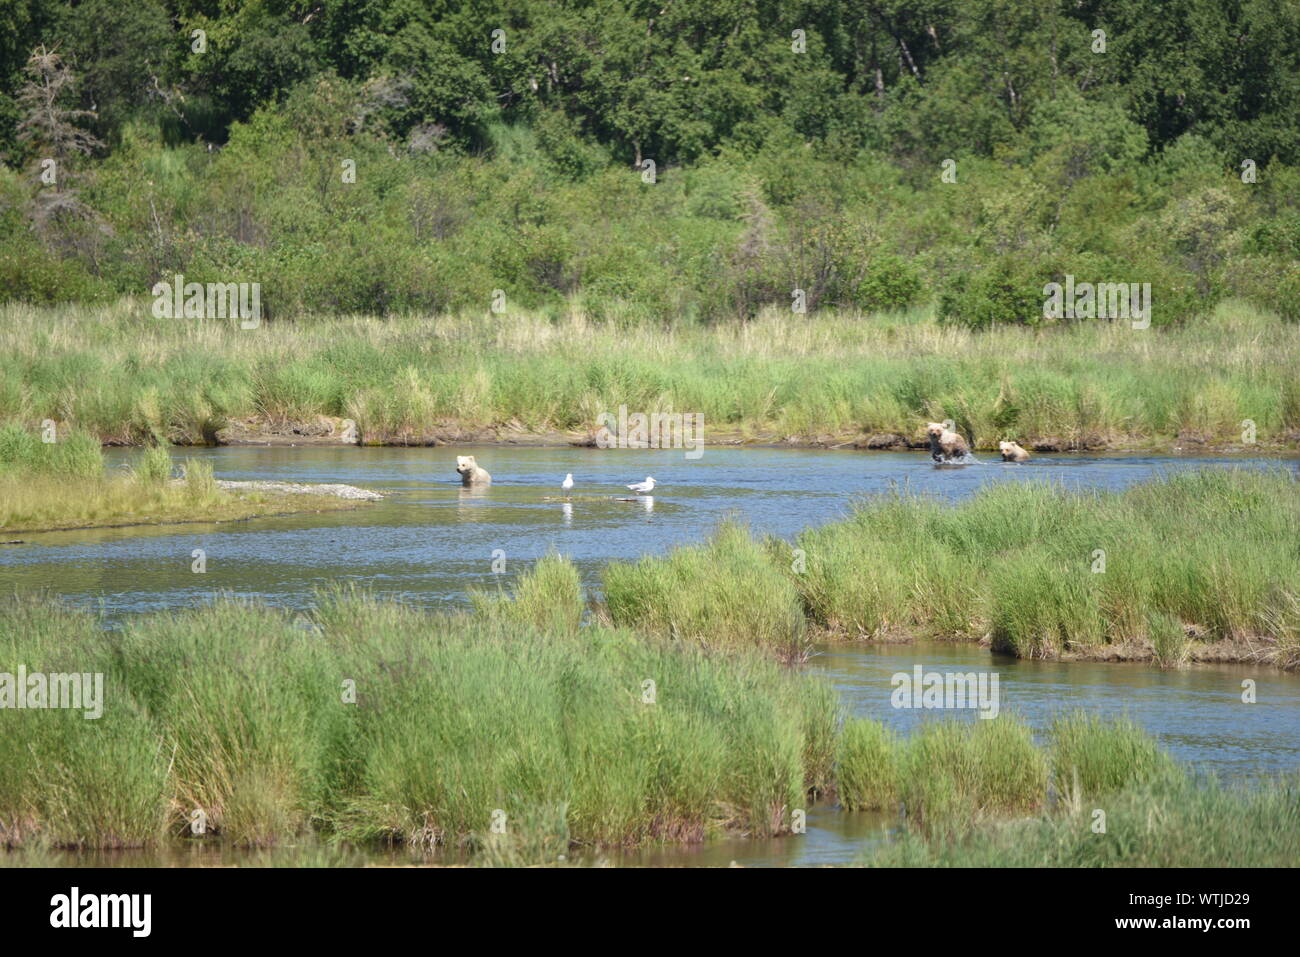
(62, 484)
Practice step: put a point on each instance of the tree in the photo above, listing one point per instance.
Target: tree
(50, 128)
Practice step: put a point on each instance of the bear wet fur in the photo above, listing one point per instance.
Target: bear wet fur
(470, 471)
(945, 445)
(1012, 452)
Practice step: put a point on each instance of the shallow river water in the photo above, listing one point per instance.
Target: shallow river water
(430, 539)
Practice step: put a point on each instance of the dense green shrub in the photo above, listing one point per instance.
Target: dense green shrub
(1010, 290)
(30, 273)
(425, 167)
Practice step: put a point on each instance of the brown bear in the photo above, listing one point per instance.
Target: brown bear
(1011, 452)
(944, 444)
(470, 473)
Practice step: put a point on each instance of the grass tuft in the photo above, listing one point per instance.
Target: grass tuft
(548, 597)
(1092, 757)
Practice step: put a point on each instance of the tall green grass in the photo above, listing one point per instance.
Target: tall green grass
(63, 484)
(723, 593)
(548, 597)
(369, 722)
(957, 772)
(75, 454)
(1169, 822)
(868, 766)
(374, 722)
(153, 466)
(1155, 571)
(1091, 757)
(947, 775)
(122, 374)
(65, 779)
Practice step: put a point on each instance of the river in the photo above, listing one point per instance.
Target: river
(430, 539)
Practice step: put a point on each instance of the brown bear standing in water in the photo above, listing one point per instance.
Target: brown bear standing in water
(1011, 452)
(944, 444)
(470, 473)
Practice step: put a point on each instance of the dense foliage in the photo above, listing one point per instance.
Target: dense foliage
(871, 154)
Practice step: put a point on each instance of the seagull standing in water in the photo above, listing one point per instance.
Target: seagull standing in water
(644, 488)
(567, 484)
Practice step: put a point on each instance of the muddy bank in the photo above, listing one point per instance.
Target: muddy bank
(1252, 649)
(332, 430)
(322, 430)
(272, 510)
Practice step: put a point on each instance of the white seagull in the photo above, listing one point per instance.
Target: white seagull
(643, 488)
(568, 482)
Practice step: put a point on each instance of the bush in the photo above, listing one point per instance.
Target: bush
(1267, 282)
(1009, 290)
(890, 283)
(29, 273)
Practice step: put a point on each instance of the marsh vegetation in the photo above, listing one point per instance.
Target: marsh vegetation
(367, 724)
(119, 373)
(63, 484)
(1197, 565)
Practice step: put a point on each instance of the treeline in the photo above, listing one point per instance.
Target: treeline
(678, 80)
(390, 156)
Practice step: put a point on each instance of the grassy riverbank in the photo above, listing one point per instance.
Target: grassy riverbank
(1200, 565)
(947, 775)
(62, 485)
(1171, 822)
(368, 722)
(974, 798)
(246, 714)
(126, 376)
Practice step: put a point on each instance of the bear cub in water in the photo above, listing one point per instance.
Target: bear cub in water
(1011, 452)
(470, 472)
